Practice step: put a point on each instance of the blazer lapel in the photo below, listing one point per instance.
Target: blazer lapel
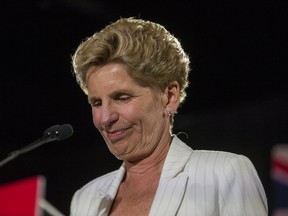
(103, 198)
(169, 196)
(173, 181)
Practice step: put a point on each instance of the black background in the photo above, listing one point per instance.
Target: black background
(237, 95)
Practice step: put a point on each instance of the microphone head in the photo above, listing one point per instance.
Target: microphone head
(59, 132)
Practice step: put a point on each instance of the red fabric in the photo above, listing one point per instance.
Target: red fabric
(280, 165)
(20, 198)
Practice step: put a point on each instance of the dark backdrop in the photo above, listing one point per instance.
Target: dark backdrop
(237, 97)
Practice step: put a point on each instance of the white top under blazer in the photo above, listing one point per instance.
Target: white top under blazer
(192, 183)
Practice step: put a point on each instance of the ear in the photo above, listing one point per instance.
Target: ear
(172, 92)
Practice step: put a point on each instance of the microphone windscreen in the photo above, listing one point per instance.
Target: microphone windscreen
(59, 132)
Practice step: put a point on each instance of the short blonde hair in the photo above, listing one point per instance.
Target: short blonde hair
(152, 55)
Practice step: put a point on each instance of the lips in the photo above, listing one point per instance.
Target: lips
(116, 132)
(116, 135)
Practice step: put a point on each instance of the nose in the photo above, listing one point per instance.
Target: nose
(105, 116)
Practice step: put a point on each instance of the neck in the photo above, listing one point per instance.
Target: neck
(151, 165)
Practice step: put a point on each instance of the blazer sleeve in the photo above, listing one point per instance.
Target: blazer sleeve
(74, 205)
(240, 190)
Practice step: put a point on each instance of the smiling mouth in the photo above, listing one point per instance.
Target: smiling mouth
(116, 135)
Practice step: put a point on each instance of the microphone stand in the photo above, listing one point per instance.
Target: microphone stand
(25, 149)
(56, 132)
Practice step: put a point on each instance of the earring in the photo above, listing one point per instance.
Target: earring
(169, 113)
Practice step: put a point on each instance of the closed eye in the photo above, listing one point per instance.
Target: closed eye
(117, 97)
(95, 102)
(123, 97)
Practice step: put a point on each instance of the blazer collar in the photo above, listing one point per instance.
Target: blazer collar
(103, 198)
(173, 180)
(177, 157)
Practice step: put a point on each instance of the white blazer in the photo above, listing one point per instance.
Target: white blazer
(192, 183)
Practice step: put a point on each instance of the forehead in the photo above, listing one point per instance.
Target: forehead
(108, 77)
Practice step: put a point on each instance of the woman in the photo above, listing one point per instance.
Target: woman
(135, 74)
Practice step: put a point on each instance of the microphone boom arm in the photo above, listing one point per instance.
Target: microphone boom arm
(53, 133)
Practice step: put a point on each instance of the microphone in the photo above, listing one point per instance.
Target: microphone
(53, 133)
(59, 132)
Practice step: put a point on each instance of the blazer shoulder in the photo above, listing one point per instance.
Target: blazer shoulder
(217, 155)
(217, 160)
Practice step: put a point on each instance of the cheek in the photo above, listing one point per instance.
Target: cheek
(128, 115)
(95, 118)
(151, 117)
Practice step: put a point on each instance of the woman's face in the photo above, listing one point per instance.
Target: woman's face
(129, 117)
